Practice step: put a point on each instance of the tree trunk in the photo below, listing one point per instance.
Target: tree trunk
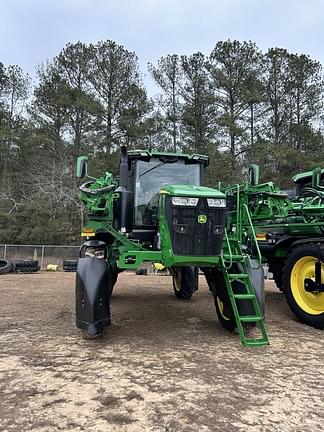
(252, 124)
(174, 119)
(108, 134)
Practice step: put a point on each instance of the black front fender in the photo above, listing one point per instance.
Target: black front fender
(93, 289)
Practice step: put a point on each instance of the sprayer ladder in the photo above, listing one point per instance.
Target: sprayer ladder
(249, 295)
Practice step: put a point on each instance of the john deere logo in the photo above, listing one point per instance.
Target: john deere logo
(202, 219)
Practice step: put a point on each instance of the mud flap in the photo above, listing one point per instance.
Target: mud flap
(255, 271)
(92, 291)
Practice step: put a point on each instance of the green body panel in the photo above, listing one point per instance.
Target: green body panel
(290, 228)
(307, 175)
(265, 201)
(100, 220)
(167, 260)
(122, 247)
(100, 206)
(192, 191)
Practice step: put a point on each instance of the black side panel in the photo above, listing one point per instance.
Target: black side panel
(93, 289)
(188, 236)
(143, 234)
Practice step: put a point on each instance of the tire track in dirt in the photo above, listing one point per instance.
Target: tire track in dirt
(164, 365)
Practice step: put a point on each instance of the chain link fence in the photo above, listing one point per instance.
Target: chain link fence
(47, 254)
(44, 254)
(51, 254)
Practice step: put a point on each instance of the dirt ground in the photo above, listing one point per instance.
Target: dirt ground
(163, 365)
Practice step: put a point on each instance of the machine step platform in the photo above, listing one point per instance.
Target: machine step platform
(242, 321)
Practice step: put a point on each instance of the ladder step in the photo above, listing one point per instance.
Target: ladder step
(256, 342)
(235, 276)
(244, 296)
(235, 258)
(250, 318)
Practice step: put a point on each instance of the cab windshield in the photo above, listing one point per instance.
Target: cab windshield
(149, 179)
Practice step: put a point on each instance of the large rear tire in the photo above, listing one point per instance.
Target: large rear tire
(278, 280)
(308, 307)
(185, 281)
(6, 266)
(225, 313)
(275, 267)
(217, 286)
(27, 266)
(70, 265)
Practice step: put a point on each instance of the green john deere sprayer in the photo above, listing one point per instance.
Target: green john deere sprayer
(290, 233)
(158, 211)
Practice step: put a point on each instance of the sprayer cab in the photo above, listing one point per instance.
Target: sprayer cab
(142, 175)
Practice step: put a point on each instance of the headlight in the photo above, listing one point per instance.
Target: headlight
(185, 201)
(216, 202)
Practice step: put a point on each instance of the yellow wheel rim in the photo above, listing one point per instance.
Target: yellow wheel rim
(177, 284)
(310, 302)
(221, 308)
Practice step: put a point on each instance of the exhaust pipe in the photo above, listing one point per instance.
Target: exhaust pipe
(124, 222)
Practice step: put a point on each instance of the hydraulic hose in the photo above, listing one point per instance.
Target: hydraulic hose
(309, 191)
(85, 188)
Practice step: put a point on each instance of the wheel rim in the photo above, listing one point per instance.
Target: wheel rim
(304, 268)
(177, 282)
(221, 308)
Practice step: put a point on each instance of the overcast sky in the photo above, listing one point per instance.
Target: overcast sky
(32, 31)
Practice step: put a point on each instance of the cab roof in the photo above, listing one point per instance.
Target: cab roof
(146, 155)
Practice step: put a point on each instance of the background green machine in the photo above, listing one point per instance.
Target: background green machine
(289, 227)
(157, 210)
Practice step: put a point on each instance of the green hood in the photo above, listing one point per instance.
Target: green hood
(192, 191)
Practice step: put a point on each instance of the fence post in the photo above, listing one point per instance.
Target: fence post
(42, 258)
(5, 252)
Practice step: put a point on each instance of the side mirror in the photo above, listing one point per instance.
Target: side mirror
(82, 166)
(316, 177)
(254, 174)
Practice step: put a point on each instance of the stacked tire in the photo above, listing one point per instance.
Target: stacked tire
(6, 266)
(141, 272)
(26, 266)
(70, 265)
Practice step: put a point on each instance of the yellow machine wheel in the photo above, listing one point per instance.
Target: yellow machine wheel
(300, 265)
(185, 281)
(221, 308)
(304, 268)
(225, 313)
(216, 282)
